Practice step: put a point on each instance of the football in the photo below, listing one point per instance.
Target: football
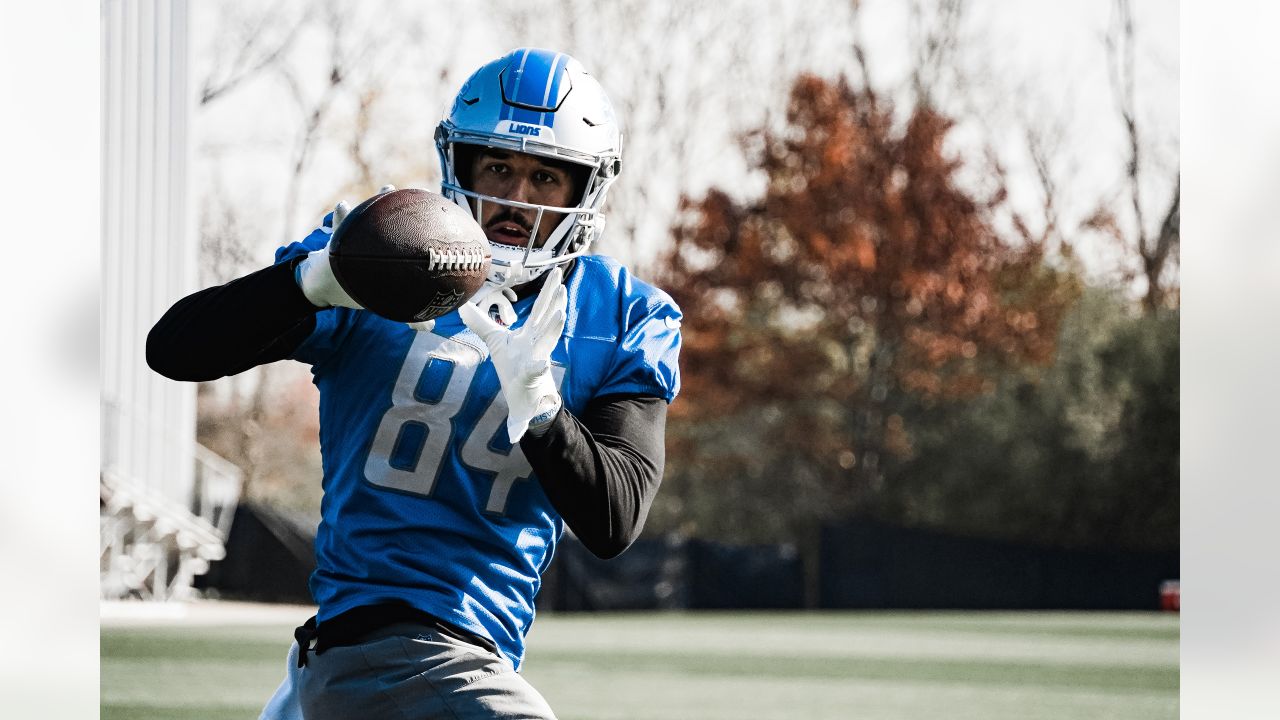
(409, 255)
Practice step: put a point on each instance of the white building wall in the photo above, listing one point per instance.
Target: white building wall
(149, 248)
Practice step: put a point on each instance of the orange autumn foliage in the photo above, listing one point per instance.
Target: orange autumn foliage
(865, 277)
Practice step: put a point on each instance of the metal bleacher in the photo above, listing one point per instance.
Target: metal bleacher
(152, 548)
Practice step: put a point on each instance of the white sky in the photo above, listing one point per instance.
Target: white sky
(1038, 62)
(1043, 63)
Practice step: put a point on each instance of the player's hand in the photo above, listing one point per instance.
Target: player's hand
(315, 275)
(522, 357)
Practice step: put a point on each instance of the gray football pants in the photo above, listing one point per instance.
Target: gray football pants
(406, 672)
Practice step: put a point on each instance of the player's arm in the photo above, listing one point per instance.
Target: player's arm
(223, 330)
(601, 471)
(254, 320)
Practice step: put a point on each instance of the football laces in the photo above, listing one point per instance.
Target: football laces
(455, 259)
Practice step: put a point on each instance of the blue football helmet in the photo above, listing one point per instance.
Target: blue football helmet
(539, 102)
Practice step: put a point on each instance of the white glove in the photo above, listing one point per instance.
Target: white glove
(314, 274)
(490, 295)
(522, 357)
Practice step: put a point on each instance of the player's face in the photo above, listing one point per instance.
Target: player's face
(523, 178)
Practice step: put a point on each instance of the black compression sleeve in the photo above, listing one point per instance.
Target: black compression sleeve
(223, 330)
(601, 471)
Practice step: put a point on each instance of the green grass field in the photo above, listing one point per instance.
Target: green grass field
(868, 666)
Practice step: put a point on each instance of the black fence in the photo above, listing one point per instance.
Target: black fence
(672, 573)
(270, 556)
(860, 565)
(870, 565)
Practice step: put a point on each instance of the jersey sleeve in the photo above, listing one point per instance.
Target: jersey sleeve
(647, 359)
(333, 325)
(316, 240)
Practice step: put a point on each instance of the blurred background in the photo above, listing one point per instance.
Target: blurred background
(928, 255)
(929, 259)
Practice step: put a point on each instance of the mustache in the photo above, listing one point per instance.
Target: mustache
(514, 216)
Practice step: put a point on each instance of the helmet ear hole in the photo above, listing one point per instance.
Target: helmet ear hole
(464, 155)
(579, 174)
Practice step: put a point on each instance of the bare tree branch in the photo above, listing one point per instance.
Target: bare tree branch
(1120, 47)
(344, 65)
(225, 249)
(936, 39)
(1166, 248)
(1042, 150)
(859, 51)
(251, 57)
(356, 147)
(1153, 252)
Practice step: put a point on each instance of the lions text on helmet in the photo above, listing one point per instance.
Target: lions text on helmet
(530, 147)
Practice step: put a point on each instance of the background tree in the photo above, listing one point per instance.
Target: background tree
(1083, 453)
(864, 282)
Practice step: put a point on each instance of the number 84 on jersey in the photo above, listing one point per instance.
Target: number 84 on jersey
(410, 446)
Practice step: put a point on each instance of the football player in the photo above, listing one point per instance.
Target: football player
(456, 452)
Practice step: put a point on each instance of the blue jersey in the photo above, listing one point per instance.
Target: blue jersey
(425, 499)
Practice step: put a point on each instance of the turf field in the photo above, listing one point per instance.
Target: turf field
(868, 666)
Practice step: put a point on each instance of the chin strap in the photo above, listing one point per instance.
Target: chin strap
(515, 274)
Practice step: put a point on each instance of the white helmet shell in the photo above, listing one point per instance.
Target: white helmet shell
(544, 103)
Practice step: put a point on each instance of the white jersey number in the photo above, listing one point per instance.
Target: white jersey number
(435, 417)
